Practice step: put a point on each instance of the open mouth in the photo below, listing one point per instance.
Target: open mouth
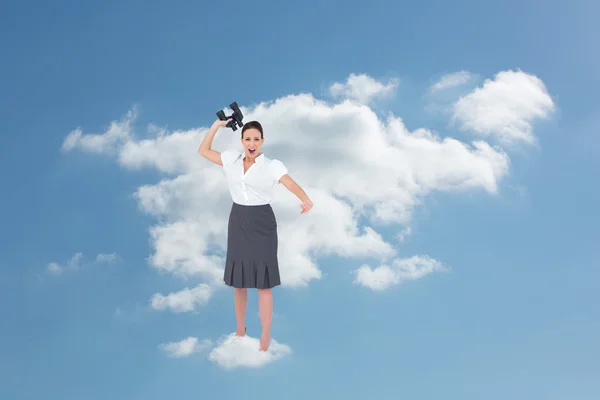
(251, 151)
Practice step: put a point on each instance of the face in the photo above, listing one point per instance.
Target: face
(252, 142)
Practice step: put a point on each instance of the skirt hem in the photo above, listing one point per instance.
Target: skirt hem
(251, 274)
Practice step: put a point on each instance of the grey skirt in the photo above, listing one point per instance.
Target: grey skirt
(251, 260)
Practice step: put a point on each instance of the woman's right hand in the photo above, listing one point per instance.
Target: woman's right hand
(221, 124)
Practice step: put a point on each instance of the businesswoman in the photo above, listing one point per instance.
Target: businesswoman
(252, 241)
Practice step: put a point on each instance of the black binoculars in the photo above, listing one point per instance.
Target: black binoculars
(236, 117)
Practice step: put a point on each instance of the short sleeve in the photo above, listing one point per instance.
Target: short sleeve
(228, 157)
(278, 169)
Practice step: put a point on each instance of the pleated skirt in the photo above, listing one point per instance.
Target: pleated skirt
(252, 241)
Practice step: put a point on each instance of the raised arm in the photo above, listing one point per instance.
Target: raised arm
(205, 149)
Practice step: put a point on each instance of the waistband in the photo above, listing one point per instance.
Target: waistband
(267, 205)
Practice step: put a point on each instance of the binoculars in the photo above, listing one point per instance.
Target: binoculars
(236, 117)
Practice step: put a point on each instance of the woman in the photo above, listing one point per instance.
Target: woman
(252, 232)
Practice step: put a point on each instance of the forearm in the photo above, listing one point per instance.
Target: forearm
(208, 139)
(298, 191)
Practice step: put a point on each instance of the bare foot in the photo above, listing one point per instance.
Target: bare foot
(265, 341)
(241, 331)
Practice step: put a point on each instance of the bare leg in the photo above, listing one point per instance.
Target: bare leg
(265, 307)
(240, 299)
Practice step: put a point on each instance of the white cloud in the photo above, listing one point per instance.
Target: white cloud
(108, 258)
(451, 80)
(234, 352)
(114, 137)
(362, 88)
(399, 271)
(54, 268)
(185, 347)
(230, 352)
(505, 107)
(353, 165)
(182, 301)
(403, 234)
(76, 262)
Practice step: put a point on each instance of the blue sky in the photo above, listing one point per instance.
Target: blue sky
(515, 316)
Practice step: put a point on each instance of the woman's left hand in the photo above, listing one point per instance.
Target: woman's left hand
(306, 206)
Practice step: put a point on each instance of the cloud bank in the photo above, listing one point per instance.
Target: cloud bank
(355, 166)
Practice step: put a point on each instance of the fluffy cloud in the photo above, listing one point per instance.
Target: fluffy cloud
(230, 352)
(505, 107)
(362, 88)
(234, 352)
(76, 262)
(106, 258)
(399, 271)
(109, 142)
(182, 301)
(451, 80)
(361, 171)
(185, 347)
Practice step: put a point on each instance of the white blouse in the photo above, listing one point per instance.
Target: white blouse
(256, 186)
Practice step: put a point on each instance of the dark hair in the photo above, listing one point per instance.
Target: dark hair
(253, 125)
